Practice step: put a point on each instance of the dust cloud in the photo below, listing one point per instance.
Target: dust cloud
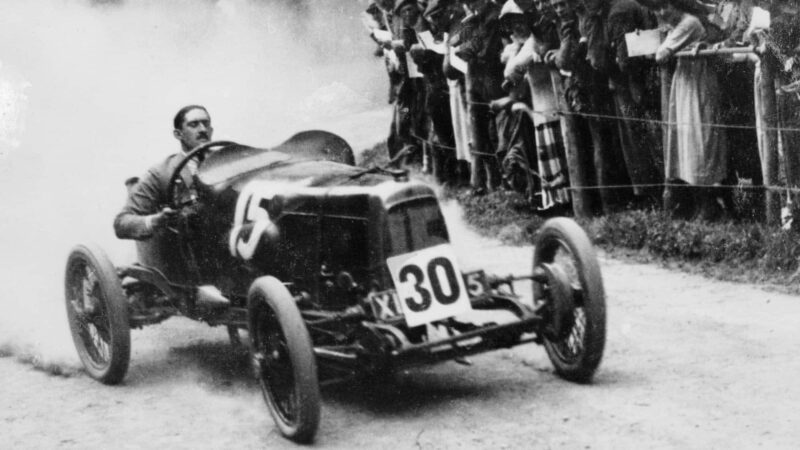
(87, 94)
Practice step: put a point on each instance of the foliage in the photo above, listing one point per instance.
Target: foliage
(734, 243)
(741, 251)
(502, 214)
(377, 155)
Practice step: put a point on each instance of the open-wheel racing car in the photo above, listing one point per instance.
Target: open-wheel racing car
(326, 264)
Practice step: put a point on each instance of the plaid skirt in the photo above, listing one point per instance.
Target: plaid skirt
(551, 164)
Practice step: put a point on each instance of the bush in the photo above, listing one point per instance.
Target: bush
(503, 214)
(749, 252)
(377, 155)
(781, 252)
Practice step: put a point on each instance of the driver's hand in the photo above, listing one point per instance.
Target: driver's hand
(164, 218)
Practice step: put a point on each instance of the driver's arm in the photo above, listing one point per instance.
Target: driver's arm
(139, 217)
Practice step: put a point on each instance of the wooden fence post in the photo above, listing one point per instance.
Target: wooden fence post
(581, 198)
(769, 152)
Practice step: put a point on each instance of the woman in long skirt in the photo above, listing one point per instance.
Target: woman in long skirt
(697, 150)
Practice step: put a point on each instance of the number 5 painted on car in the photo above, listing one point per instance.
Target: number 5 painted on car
(429, 285)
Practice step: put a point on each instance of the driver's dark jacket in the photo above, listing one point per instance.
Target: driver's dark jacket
(147, 197)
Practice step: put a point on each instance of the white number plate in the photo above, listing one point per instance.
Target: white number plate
(429, 285)
(385, 305)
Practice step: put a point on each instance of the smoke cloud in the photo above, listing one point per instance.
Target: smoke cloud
(87, 95)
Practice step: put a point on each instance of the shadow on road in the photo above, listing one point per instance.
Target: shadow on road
(215, 364)
(410, 392)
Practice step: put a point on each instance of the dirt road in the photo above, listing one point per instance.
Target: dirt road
(690, 363)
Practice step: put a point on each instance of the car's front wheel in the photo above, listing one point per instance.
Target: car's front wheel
(570, 286)
(283, 359)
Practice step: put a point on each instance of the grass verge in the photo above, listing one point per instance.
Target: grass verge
(743, 252)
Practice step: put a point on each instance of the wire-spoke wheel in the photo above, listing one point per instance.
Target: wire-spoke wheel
(570, 286)
(97, 314)
(283, 359)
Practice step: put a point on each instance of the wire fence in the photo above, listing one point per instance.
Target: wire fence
(659, 122)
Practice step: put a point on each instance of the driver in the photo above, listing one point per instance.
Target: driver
(145, 212)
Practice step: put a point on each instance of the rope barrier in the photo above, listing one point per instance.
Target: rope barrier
(448, 147)
(653, 121)
(435, 144)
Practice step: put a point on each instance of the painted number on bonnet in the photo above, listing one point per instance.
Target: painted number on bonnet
(251, 220)
(429, 285)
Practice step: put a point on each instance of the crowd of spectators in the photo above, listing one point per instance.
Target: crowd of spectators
(544, 97)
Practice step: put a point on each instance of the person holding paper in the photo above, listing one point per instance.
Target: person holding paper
(635, 91)
(387, 30)
(409, 123)
(696, 153)
(449, 16)
(428, 54)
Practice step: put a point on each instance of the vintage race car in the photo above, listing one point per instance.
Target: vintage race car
(325, 264)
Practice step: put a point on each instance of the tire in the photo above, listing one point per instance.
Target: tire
(563, 251)
(283, 359)
(97, 311)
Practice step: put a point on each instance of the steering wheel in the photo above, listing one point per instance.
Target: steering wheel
(195, 153)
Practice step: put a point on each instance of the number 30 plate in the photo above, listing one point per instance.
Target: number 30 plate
(429, 285)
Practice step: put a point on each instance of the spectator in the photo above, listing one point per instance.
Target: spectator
(635, 89)
(409, 124)
(545, 84)
(547, 156)
(738, 106)
(449, 14)
(732, 18)
(545, 25)
(515, 140)
(784, 43)
(378, 19)
(431, 64)
(696, 153)
(586, 93)
(480, 45)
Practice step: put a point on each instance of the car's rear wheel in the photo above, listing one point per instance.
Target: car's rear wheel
(283, 359)
(98, 314)
(569, 282)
